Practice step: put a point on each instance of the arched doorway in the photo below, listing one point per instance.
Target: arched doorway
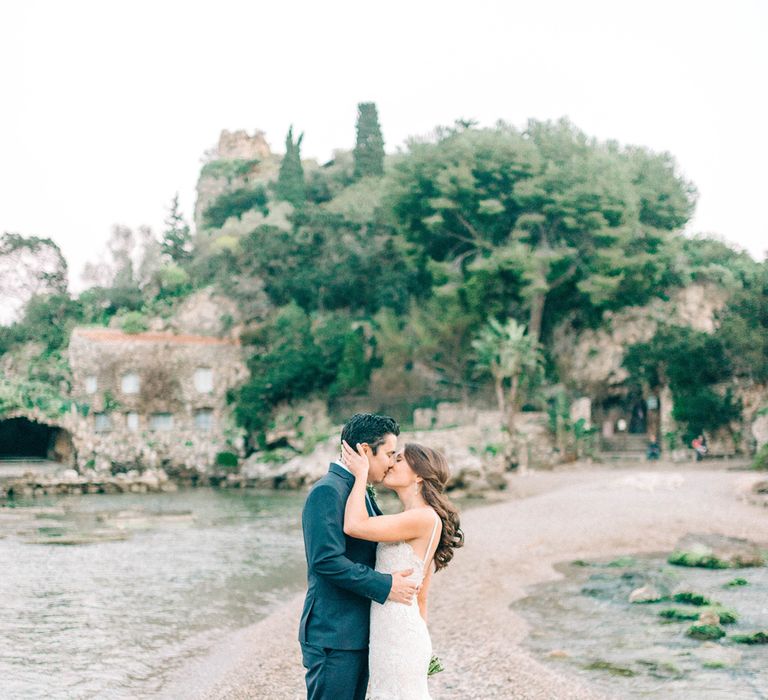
(21, 438)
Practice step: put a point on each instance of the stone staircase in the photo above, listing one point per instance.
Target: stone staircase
(624, 446)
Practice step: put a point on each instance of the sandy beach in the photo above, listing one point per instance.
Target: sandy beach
(576, 512)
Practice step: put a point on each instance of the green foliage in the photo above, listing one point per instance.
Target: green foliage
(756, 638)
(290, 181)
(227, 460)
(737, 582)
(570, 219)
(666, 360)
(760, 460)
(679, 614)
(744, 326)
(294, 356)
(235, 204)
(229, 169)
(47, 319)
(328, 262)
(133, 322)
(174, 280)
(705, 632)
(369, 145)
(511, 357)
(691, 598)
(44, 387)
(177, 240)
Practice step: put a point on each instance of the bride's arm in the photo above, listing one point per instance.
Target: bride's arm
(408, 525)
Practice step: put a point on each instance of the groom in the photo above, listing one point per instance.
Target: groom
(342, 582)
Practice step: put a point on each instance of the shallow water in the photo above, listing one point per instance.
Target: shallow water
(156, 581)
(584, 622)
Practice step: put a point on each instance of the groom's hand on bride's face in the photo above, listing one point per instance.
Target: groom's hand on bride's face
(403, 590)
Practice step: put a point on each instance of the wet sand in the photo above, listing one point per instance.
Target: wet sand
(577, 512)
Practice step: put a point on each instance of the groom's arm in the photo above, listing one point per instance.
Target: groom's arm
(326, 547)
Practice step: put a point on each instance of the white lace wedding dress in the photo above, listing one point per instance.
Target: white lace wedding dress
(400, 646)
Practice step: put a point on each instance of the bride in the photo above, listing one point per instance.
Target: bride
(421, 539)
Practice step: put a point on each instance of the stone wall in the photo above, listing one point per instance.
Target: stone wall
(112, 427)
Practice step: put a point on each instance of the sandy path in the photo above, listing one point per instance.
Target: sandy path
(547, 517)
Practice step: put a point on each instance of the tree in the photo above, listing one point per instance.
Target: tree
(369, 145)
(567, 218)
(29, 266)
(177, 240)
(290, 185)
(513, 359)
(744, 326)
(668, 360)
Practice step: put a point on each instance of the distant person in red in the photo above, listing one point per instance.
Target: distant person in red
(699, 445)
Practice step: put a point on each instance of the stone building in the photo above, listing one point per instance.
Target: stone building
(153, 399)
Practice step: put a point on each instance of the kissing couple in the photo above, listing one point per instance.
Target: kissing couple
(369, 574)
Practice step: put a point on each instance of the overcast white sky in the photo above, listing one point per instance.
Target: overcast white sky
(107, 107)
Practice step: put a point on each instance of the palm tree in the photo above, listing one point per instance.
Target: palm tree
(513, 359)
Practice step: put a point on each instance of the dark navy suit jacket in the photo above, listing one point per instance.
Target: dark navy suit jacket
(340, 569)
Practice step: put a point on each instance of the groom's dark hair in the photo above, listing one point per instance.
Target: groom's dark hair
(369, 428)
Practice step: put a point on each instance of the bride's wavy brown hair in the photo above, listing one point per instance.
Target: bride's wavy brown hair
(432, 467)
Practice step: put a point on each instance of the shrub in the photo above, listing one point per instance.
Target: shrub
(234, 204)
(133, 322)
(227, 460)
(761, 458)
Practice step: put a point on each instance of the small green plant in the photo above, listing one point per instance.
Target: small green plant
(761, 458)
(672, 438)
(705, 632)
(703, 561)
(737, 582)
(133, 322)
(756, 638)
(679, 614)
(692, 599)
(228, 460)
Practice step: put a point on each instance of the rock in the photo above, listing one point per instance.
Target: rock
(70, 475)
(150, 479)
(558, 654)
(709, 617)
(716, 552)
(645, 594)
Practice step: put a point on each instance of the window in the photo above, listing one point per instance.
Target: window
(132, 421)
(102, 422)
(91, 384)
(204, 419)
(204, 380)
(129, 384)
(161, 421)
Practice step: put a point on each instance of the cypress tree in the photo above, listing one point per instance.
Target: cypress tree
(290, 182)
(369, 147)
(177, 241)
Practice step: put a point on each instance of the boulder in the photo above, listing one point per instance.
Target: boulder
(716, 552)
(645, 594)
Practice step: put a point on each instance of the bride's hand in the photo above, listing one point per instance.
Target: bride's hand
(356, 461)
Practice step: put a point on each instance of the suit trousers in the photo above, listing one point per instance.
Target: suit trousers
(335, 674)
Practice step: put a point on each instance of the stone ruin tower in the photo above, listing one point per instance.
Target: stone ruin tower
(239, 161)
